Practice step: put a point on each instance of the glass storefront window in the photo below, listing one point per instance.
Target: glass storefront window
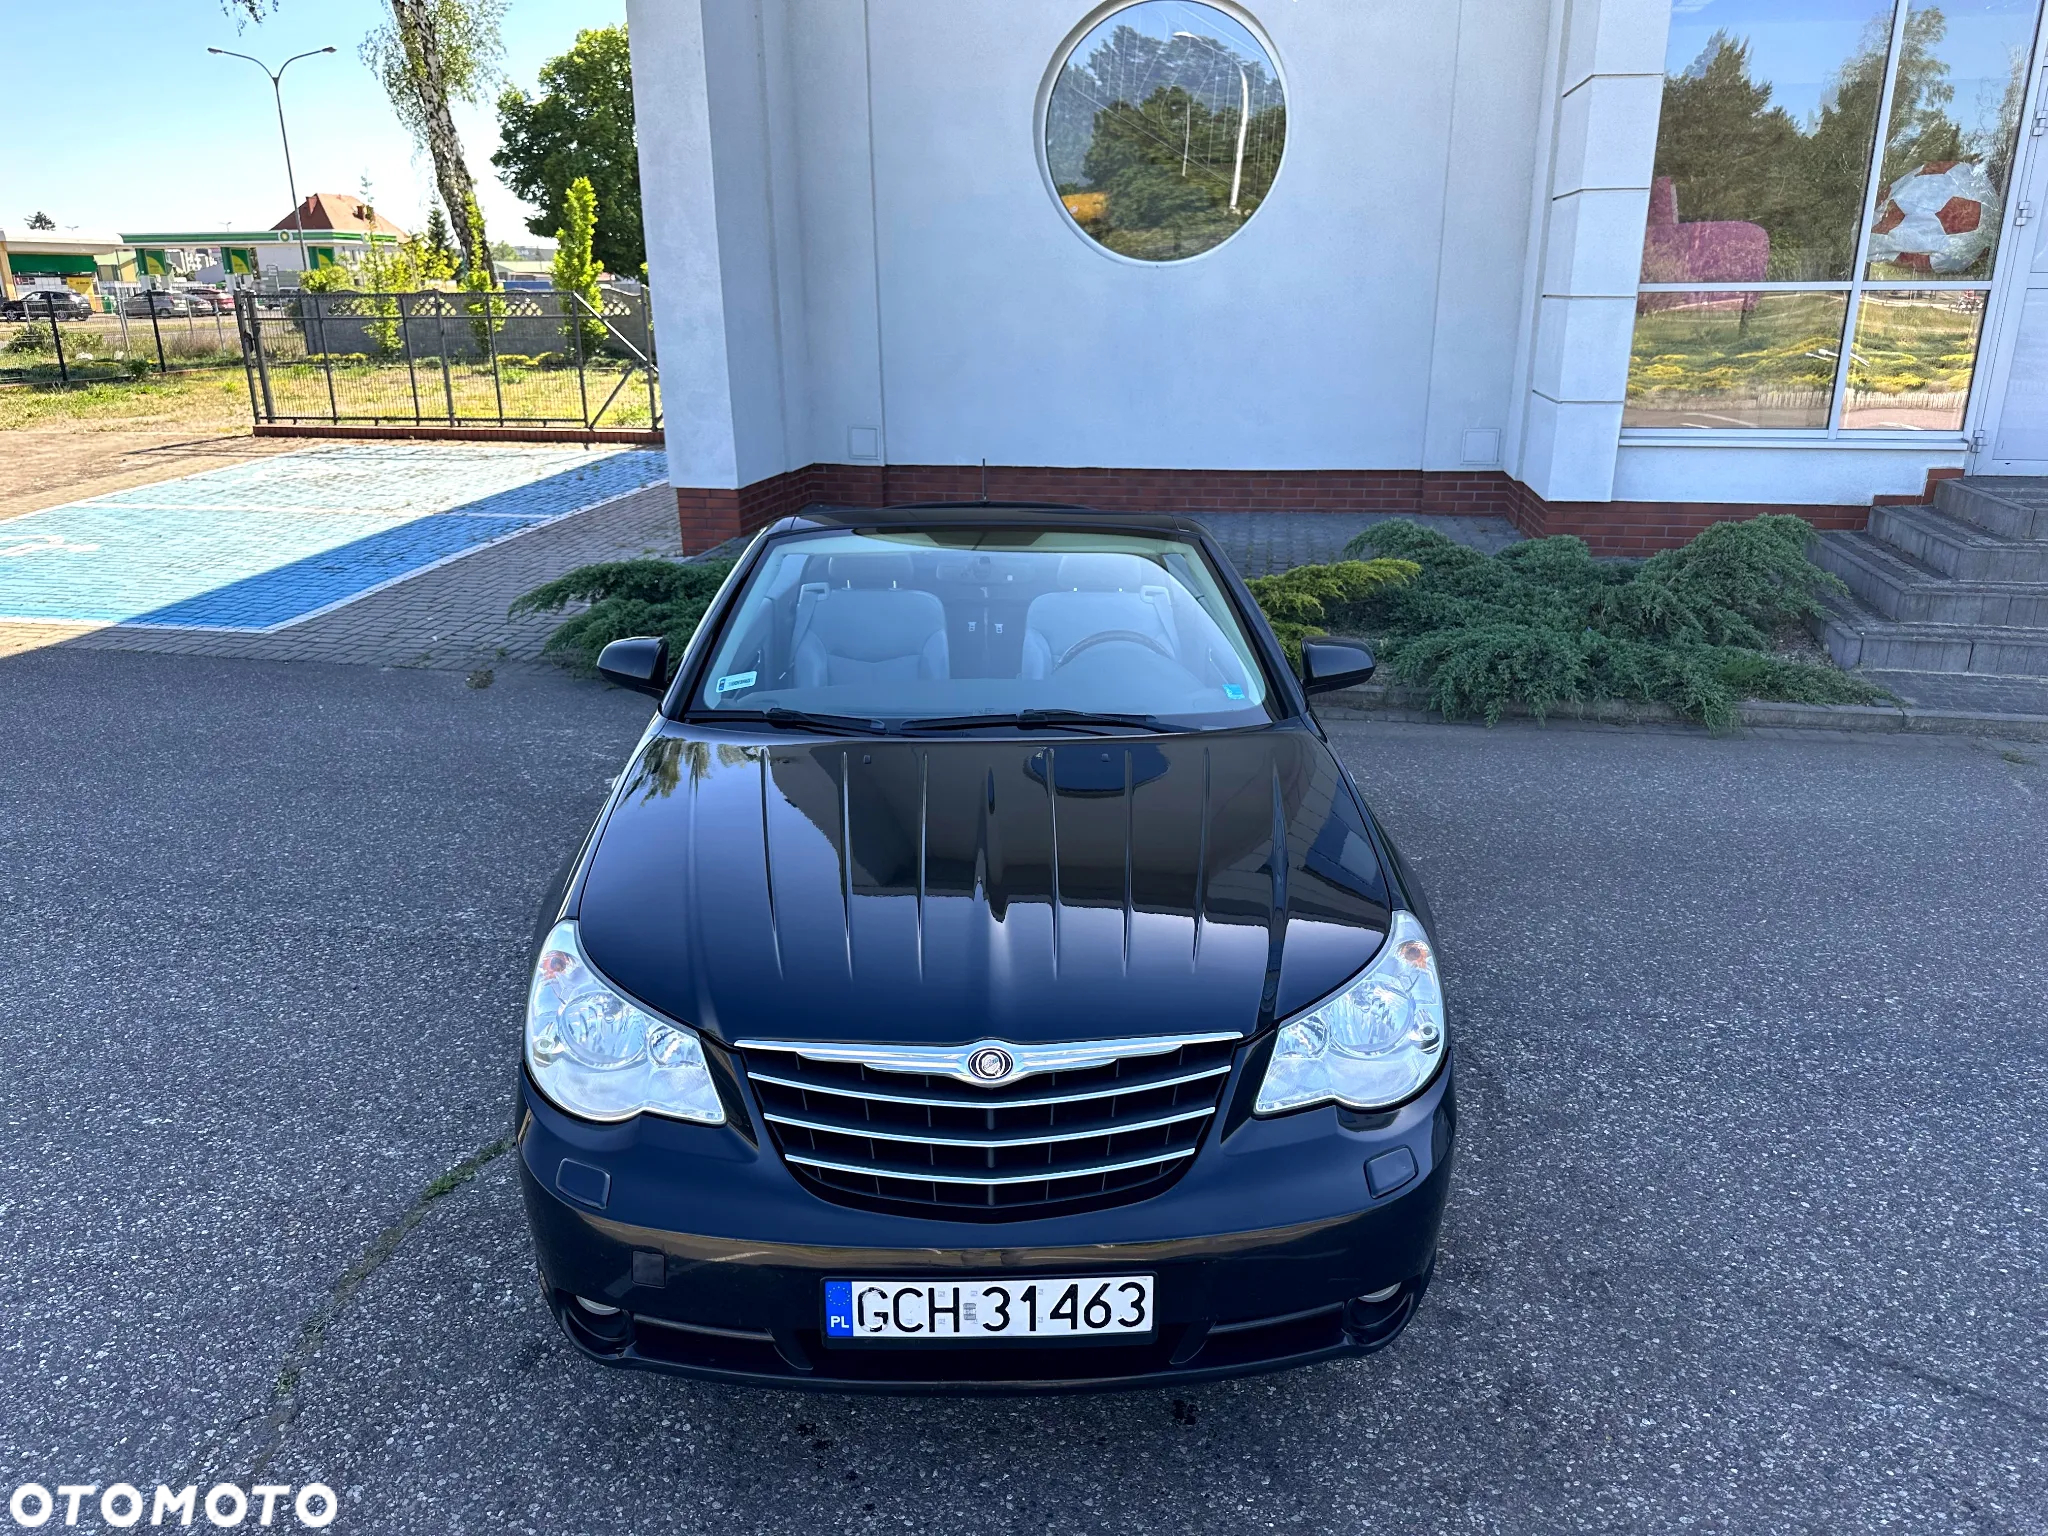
(1763, 145)
(1771, 175)
(1165, 129)
(1734, 360)
(1910, 366)
(1962, 81)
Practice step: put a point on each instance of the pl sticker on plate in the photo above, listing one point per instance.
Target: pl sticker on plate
(946, 1311)
(733, 682)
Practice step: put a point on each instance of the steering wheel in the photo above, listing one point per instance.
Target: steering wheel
(1105, 637)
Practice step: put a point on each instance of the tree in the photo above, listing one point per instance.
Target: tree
(430, 54)
(41, 220)
(581, 124)
(575, 266)
(436, 255)
(479, 277)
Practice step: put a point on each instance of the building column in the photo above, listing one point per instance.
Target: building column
(705, 174)
(1609, 92)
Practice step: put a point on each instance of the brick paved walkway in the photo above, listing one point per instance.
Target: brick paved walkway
(264, 545)
(451, 616)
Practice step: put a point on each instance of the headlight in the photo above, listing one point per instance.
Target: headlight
(1371, 1045)
(598, 1054)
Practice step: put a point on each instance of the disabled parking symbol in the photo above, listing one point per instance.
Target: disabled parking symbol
(42, 544)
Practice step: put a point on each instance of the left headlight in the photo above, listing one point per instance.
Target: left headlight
(1370, 1046)
(600, 1055)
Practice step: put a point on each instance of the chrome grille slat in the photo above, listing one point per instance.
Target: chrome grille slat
(1097, 1132)
(1104, 1132)
(927, 1176)
(968, 1101)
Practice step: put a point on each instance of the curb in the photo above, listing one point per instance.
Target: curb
(1408, 706)
(428, 432)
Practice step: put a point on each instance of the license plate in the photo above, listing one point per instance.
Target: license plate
(967, 1311)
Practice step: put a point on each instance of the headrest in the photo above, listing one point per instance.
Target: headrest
(870, 570)
(1108, 573)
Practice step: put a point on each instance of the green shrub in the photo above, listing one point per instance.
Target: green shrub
(626, 597)
(1304, 602)
(1544, 624)
(31, 339)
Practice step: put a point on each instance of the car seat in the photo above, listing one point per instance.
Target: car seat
(866, 623)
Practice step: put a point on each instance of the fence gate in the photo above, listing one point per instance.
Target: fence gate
(444, 358)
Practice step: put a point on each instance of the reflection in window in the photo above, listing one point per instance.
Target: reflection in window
(1948, 149)
(1165, 129)
(1910, 366)
(1734, 359)
(1768, 155)
(1764, 142)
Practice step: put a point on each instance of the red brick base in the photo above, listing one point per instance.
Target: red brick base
(1612, 527)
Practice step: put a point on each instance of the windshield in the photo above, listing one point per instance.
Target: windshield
(935, 626)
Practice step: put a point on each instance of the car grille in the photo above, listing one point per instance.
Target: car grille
(1046, 1143)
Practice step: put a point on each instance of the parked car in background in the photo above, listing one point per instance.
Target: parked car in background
(164, 304)
(41, 303)
(209, 300)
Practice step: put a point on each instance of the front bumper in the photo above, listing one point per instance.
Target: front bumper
(715, 1257)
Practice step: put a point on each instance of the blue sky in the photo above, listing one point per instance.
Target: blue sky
(116, 117)
(1798, 44)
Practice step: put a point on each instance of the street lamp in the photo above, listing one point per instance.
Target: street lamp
(277, 90)
(1244, 115)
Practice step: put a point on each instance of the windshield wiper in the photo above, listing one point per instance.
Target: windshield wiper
(1083, 720)
(797, 719)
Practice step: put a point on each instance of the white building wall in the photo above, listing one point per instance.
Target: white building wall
(685, 245)
(857, 257)
(1493, 151)
(853, 242)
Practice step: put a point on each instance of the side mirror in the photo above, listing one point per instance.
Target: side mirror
(640, 664)
(1326, 667)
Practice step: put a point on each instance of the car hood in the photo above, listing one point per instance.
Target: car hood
(940, 891)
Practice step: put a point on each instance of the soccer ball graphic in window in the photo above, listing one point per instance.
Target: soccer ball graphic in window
(1938, 219)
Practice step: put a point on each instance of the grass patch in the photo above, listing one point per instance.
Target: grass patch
(207, 397)
(626, 598)
(1543, 624)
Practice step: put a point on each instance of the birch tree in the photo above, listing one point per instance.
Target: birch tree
(429, 54)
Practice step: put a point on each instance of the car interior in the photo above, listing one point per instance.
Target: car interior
(859, 624)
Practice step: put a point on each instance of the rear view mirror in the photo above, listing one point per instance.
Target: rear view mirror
(640, 663)
(1324, 667)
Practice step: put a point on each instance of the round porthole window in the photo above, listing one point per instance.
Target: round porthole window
(1164, 129)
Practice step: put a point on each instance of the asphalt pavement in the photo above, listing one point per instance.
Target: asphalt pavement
(1747, 1231)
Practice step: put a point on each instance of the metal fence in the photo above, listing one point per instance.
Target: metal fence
(438, 357)
(179, 334)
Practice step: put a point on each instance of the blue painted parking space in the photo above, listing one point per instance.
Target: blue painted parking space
(265, 544)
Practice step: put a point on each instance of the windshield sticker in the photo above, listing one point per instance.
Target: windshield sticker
(733, 682)
(1233, 691)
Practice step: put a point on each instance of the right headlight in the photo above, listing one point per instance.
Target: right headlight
(598, 1054)
(1370, 1046)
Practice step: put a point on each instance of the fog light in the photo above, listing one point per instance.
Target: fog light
(596, 1308)
(1370, 1296)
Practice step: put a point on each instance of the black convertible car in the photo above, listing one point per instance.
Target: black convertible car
(984, 977)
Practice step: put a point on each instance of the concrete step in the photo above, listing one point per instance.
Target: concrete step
(1965, 691)
(2012, 507)
(1863, 640)
(1955, 548)
(1901, 588)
